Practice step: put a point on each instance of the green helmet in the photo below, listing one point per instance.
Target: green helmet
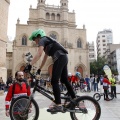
(37, 32)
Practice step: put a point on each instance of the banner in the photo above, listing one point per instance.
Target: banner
(107, 71)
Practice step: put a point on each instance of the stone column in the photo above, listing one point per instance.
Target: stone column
(4, 6)
(3, 70)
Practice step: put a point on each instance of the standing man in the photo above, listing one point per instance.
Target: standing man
(95, 82)
(91, 81)
(59, 55)
(19, 88)
(113, 85)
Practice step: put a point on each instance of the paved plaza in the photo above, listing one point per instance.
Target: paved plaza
(110, 110)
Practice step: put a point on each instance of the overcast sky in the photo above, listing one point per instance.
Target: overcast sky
(95, 14)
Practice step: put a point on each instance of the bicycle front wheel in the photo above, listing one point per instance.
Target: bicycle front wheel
(87, 108)
(22, 109)
(97, 96)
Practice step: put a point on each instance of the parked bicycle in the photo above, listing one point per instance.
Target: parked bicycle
(81, 108)
(97, 96)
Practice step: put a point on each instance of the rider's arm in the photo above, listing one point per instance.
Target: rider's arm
(43, 61)
(38, 55)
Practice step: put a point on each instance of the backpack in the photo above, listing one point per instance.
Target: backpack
(13, 89)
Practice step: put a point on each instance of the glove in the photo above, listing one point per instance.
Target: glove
(28, 68)
(38, 71)
(7, 113)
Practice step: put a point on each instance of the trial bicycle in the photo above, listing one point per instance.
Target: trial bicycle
(97, 96)
(80, 108)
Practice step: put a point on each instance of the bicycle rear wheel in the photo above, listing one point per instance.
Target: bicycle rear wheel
(87, 108)
(23, 109)
(97, 96)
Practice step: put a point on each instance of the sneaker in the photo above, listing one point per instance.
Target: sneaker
(107, 99)
(56, 108)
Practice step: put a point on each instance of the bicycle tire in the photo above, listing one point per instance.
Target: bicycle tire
(97, 96)
(110, 96)
(86, 113)
(19, 105)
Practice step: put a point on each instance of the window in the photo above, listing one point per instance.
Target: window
(103, 35)
(98, 37)
(103, 40)
(104, 48)
(24, 40)
(58, 17)
(47, 16)
(53, 16)
(104, 44)
(79, 44)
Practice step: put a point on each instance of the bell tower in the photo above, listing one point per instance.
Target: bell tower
(64, 4)
(41, 3)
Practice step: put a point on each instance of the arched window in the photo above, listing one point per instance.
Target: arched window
(47, 16)
(53, 16)
(58, 17)
(24, 40)
(79, 43)
(53, 36)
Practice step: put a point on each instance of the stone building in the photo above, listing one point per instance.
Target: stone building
(58, 23)
(92, 54)
(4, 6)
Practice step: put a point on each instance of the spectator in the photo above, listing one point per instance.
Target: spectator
(2, 84)
(9, 81)
(19, 88)
(91, 81)
(95, 82)
(113, 86)
(87, 79)
(101, 84)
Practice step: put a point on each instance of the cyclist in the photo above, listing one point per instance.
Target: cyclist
(19, 88)
(59, 55)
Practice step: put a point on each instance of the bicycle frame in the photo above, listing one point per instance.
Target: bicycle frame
(43, 91)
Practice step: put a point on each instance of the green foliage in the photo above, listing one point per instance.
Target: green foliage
(96, 67)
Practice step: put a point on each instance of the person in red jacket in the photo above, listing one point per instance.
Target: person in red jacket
(19, 88)
(106, 84)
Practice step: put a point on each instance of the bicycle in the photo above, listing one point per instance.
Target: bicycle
(97, 96)
(80, 108)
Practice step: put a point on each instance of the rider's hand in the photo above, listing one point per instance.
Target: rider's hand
(38, 71)
(28, 68)
(7, 113)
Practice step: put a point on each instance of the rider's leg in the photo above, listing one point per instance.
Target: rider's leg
(58, 67)
(64, 79)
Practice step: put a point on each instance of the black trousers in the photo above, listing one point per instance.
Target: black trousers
(113, 90)
(60, 72)
(105, 94)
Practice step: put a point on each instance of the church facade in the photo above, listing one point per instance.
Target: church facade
(59, 24)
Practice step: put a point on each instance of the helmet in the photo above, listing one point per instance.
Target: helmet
(78, 74)
(37, 32)
(69, 74)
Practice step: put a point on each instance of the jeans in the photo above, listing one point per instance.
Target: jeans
(95, 86)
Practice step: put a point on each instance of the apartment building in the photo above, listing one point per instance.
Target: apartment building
(92, 53)
(104, 38)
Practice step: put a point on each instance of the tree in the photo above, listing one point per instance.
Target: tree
(96, 67)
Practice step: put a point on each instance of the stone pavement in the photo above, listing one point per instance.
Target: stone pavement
(110, 110)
